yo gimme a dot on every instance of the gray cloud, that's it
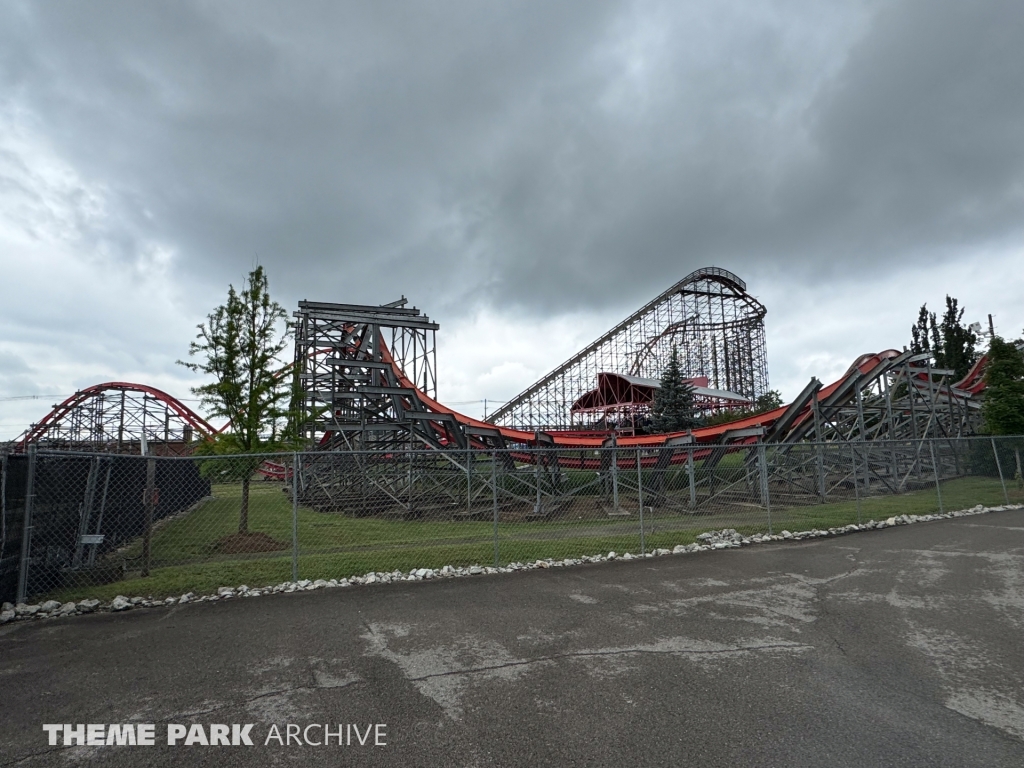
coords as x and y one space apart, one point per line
548 157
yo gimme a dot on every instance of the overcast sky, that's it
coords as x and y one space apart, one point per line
528 173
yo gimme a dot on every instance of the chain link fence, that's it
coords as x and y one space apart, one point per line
93 525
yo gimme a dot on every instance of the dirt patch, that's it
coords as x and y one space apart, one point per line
240 543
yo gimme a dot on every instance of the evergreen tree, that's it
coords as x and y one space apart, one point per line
1003 408
769 401
958 341
673 408
950 343
239 344
919 332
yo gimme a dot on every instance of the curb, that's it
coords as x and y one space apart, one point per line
727 538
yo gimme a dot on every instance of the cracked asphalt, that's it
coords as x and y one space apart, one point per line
902 647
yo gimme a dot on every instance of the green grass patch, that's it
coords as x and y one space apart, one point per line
185 557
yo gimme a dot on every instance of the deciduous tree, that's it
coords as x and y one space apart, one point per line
1003 408
238 346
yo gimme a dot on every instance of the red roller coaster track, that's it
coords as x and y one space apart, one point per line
64 410
971 385
864 365
795 414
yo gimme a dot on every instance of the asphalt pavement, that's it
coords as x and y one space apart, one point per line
901 647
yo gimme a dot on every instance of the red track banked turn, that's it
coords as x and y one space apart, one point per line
864 364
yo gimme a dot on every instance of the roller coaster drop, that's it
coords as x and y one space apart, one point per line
367 382
358 392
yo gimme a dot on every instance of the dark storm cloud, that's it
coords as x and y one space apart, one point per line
550 155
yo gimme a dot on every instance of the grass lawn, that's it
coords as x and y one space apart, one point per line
185 556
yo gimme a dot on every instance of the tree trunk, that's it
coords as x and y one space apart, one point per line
243 517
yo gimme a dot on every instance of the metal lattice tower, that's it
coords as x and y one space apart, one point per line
716 325
349 393
118 417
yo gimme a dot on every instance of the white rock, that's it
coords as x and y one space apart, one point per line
225 591
7 607
186 597
88 606
476 570
49 606
137 600
21 609
320 583
170 601
120 603
611 555
6 616
67 608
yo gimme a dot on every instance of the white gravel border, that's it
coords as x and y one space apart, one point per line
726 538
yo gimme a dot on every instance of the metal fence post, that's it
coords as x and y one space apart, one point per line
494 501
469 481
856 484
295 516
615 478
999 468
935 470
26 530
539 506
640 494
819 452
762 467
150 499
689 472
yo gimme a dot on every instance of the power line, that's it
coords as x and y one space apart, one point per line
29 397
47 397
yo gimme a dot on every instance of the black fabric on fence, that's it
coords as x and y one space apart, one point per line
81 494
13 480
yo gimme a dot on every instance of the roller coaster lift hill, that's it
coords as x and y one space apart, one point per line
368 381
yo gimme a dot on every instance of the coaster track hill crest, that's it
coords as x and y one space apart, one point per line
367 380
367 376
